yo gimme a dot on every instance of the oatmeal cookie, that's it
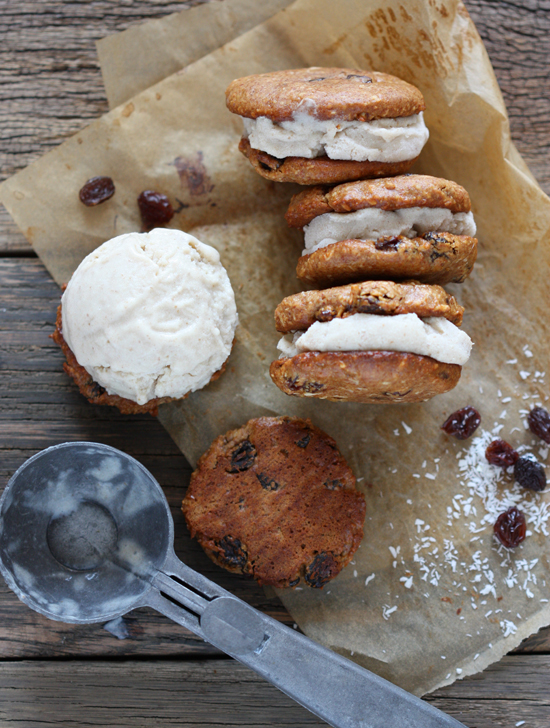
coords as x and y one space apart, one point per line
276 500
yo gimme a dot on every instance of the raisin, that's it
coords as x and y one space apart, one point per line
234 554
463 423
390 242
155 209
364 79
539 423
322 569
96 191
95 390
500 453
510 528
313 387
529 473
266 482
243 457
304 442
325 314
435 237
333 484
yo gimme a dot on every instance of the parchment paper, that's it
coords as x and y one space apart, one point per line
144 54
462 603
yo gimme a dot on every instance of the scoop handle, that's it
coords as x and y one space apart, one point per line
340 692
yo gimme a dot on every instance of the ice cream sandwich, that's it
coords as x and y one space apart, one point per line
406 227
327 125
373 342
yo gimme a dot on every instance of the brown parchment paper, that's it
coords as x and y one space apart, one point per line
143 55
475 602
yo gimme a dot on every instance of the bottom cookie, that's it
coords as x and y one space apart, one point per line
94 392
371 377
433 258
319 170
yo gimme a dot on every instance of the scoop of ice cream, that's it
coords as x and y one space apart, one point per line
150 314
372 223
379 140
434 336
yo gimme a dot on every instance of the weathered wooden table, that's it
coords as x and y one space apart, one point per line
56 674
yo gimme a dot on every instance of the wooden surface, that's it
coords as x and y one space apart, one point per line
51 673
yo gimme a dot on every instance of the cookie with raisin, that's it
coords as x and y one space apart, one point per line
371 342
326 125
276 500
409 226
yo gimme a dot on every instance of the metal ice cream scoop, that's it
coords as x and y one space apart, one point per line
86 536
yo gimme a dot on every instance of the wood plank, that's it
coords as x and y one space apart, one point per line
50 81
222 693
511 691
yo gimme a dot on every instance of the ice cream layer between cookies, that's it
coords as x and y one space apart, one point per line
373 223
435 337
379 140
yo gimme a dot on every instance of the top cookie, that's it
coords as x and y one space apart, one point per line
394 193
387 298
349 94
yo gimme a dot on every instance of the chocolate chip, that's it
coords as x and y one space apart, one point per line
243 457
333 484
323 567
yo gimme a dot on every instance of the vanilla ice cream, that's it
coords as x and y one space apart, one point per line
150 314
379 140
371 223
435 337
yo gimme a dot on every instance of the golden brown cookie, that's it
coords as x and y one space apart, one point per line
396 193
344 93
319 169
300 311
276 500
373 377
375 341
432 258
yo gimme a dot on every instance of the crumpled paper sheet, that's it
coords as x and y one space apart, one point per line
144 54
463 602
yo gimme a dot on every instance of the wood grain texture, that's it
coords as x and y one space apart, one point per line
224 694
50 86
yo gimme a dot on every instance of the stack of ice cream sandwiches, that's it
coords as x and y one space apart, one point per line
379 242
